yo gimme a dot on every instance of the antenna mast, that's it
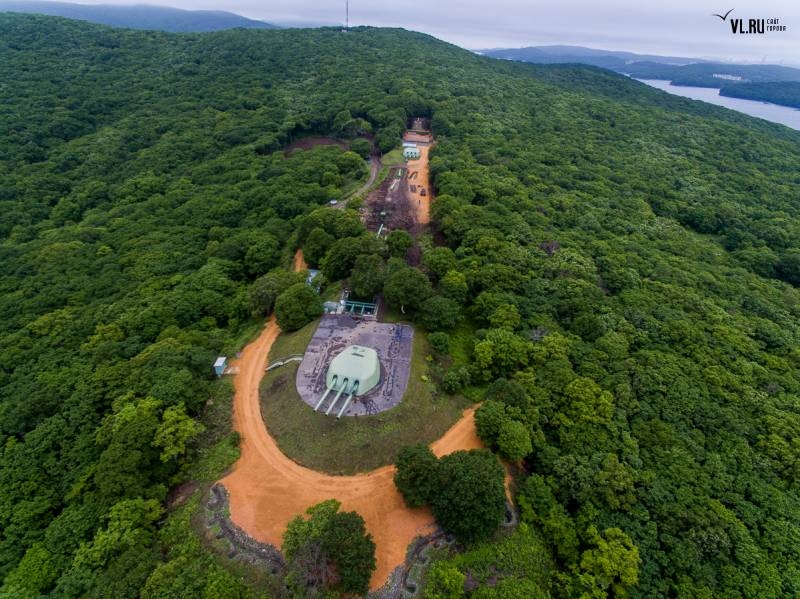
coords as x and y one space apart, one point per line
347 15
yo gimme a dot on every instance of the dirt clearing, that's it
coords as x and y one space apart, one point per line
306 143
419 192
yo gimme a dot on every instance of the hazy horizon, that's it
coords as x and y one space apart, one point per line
681 28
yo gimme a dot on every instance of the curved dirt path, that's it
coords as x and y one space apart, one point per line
374 168
267 489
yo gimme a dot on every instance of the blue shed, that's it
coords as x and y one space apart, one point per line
220 365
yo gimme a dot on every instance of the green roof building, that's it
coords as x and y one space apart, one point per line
411 153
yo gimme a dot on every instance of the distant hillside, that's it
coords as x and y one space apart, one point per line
734 79
786 93
161 18
712 74
608 59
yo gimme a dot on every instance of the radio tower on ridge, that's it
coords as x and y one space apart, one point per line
347 15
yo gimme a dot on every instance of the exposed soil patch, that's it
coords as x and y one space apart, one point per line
178 495
390 204
306 143
418 190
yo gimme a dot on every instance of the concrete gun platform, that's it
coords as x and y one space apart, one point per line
392 342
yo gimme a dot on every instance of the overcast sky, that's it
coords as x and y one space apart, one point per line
674 27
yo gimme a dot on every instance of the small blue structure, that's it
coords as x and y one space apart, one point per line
220 365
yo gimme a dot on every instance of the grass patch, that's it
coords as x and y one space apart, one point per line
288 344
247 333
217 448
462 340
393 157
355 444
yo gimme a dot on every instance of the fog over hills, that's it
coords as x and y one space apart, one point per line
141 16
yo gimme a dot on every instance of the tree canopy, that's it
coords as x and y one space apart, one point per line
297 306
464 489
627 261
329 551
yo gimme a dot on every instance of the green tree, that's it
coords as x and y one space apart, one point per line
512 392
130 524
129 460
439 261
612 566
339 261
361 146
500 353
585 403
296 307
469 500
444 582
262 254
489 420
175 431
407 287
513 440
511 588
265 290
454 286
438 313
366 279
506 316
174 579
456 379
330 550
346 539
316 246
34 576
399 242
415 476
538 505
440 343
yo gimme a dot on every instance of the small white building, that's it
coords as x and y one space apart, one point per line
411 153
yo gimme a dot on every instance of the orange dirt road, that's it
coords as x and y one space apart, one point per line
267 489
423 203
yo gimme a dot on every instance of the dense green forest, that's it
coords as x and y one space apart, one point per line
786 93
702 74
623 263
